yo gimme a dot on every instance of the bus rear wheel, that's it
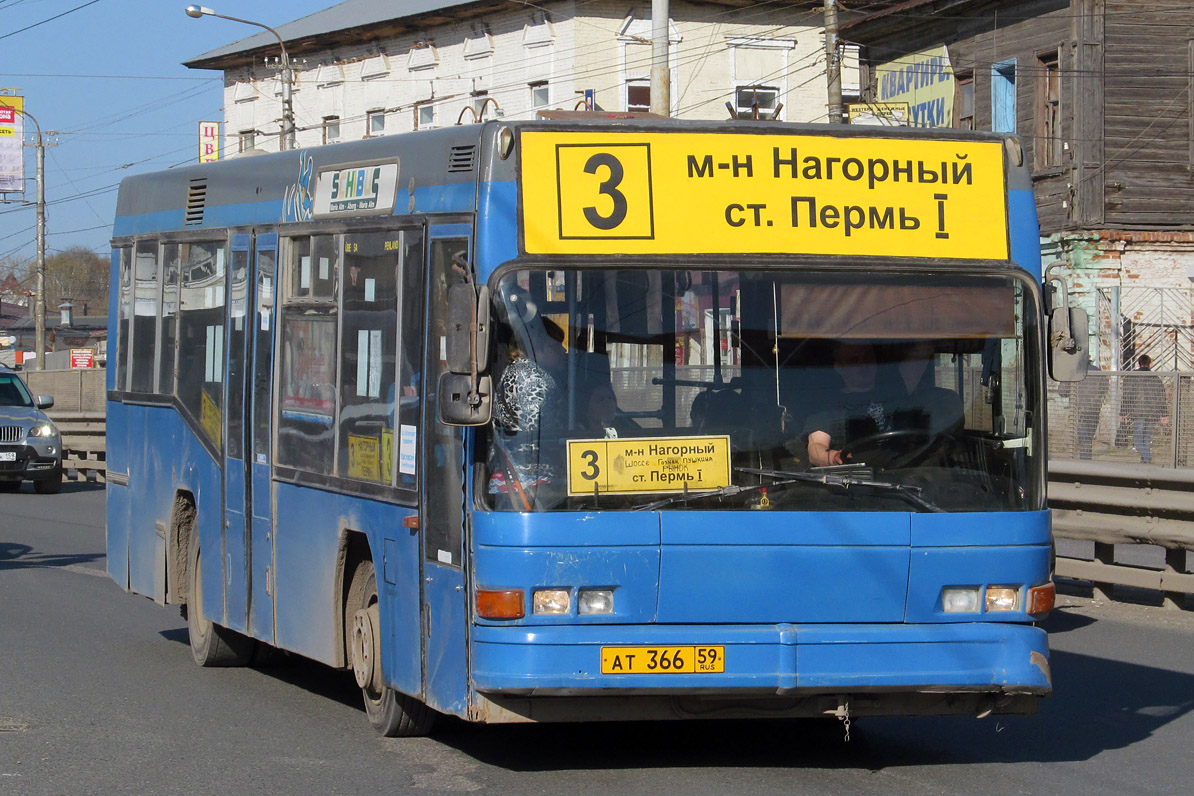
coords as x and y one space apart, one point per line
390 713
211 644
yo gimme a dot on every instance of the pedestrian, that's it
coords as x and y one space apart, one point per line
1088 396
1143 404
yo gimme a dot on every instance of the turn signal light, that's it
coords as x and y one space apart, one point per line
1041 599
500 604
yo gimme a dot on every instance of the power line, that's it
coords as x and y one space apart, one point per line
50 19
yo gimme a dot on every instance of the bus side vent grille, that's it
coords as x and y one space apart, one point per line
460 159
196 202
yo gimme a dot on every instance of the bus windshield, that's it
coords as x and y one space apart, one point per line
760 388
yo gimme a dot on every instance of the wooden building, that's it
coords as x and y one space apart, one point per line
1101 94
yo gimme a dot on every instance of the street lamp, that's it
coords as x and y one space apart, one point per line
288 141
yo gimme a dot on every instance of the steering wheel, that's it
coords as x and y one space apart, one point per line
888 448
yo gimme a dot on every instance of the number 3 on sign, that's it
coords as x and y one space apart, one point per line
605 191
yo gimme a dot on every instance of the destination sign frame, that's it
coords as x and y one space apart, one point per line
656 192
648 465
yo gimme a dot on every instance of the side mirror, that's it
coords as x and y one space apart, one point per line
468 329
1069 338
461 402
45 401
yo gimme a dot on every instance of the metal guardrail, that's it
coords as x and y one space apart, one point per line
1113 504
83 444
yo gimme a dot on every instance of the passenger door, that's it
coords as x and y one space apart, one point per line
235 530
259 495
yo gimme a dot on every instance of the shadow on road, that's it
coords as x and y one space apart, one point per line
22 556
1099 705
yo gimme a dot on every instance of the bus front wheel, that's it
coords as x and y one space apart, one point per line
211 644
392 714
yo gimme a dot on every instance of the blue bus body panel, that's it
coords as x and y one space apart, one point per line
497 238
595 550
117 494
770 566
1025 231
307 600
773 658
447 648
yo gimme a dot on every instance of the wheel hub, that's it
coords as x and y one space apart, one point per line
366 663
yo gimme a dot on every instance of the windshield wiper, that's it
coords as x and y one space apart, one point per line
909 494
725 491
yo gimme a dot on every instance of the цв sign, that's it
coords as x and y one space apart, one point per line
597 192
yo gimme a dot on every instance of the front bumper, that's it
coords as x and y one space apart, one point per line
777 660
31 460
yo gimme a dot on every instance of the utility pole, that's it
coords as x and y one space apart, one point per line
40 306
833 64
661 74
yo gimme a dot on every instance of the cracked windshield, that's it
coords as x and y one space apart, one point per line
763 389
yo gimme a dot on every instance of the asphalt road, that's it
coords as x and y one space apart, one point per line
98 695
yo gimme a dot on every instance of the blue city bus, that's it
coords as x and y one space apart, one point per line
588 418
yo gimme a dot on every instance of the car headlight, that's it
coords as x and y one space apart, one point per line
43 430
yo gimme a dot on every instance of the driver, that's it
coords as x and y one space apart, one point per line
863 407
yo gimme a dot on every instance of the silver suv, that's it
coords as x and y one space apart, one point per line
30 447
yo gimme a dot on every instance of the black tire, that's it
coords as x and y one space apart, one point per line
211 644
49 486
10 486
390 713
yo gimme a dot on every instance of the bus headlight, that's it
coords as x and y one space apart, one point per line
552 601
595 601
1002 598
960 601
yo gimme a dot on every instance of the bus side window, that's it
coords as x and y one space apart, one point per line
410 334
367 357
170 271
126 318
201 336
307 357
145 316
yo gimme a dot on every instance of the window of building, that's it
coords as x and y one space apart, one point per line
424 116
145 316
964 103
1048 144
1003 97
247 140
478 104
201 336
638 96
755 102
375 124
331 129
541 95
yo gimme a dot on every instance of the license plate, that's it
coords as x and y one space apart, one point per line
663 660
8 456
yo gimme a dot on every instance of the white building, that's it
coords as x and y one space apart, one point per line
372 67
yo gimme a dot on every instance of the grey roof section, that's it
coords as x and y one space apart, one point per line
343 16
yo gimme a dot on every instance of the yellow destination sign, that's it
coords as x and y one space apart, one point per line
597 192
647 464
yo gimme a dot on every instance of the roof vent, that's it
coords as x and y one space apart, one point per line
196 202
460 159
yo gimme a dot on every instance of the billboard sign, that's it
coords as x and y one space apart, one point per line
12 144
209 142
924 80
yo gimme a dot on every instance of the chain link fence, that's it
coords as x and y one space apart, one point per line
1124 416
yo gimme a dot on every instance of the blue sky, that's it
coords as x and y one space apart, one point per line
108 76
